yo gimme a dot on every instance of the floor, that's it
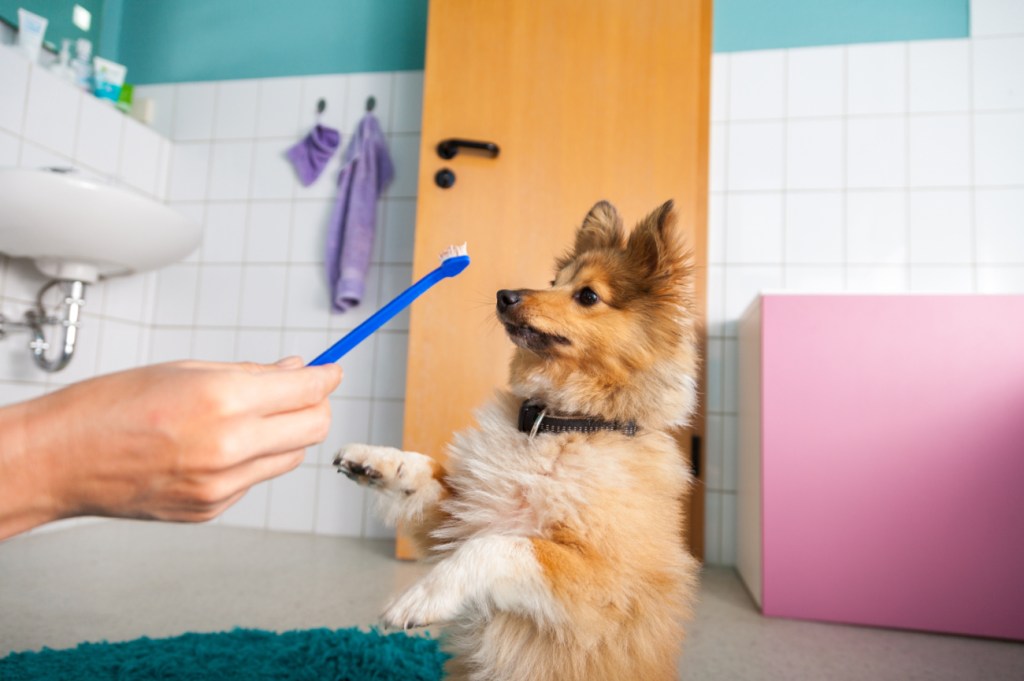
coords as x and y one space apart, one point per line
121 580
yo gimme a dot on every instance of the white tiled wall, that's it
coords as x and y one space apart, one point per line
256 288
888 167
47 122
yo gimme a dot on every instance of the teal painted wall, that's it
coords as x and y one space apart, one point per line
58 14
769 24
189 40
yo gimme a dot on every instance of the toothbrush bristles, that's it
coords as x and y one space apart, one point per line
453 251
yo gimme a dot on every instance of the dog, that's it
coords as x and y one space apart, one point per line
556 522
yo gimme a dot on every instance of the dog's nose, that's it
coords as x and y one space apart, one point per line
507 299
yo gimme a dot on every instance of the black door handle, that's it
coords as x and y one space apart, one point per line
449 148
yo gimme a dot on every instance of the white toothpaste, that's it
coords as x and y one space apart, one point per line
31 29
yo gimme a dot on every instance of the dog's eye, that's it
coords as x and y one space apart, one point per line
586 297
552 283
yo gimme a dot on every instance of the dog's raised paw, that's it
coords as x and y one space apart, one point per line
368 465
424 604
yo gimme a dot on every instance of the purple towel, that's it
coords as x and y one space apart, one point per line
366 172
311 154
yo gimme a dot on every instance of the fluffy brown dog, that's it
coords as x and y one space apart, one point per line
556 523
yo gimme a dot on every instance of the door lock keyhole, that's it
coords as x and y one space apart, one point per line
444 178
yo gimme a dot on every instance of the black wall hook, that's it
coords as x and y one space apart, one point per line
321 105
371 102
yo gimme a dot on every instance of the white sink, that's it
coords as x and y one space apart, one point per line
78 228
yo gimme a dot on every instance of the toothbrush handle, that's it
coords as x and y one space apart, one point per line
378 319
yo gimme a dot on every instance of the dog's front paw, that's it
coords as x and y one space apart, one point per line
370 466
424 604
385 468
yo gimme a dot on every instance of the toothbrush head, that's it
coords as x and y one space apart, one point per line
454 259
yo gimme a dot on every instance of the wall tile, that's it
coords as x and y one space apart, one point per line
814 155
263 295
753 231
250 510
998 76
269 231
815 278
193 111
399 229
393 280
333 89
163 97
361 86
272 174
14 74
816 81
307 300
713 452
940 227
388 423
261 346
293 501
219 295
757 85
231 169
876 152
170 345
140 157
51 114
309 230
720 86
358 367
742 284
405 154
124 297
876 78
339 506
1001 279
195 211
224 232
877 279
940 76
713 528
99 136
716 228
814 227
213 345
350 423
999 148
190 165
717 157
10 149
236 110
407 111
119 346
940 154
942 279
176 295
876 227
999 220
755 156
35 156
390 359
713 375
278 107
996 17
305 344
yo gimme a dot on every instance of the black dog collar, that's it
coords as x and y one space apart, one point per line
534 418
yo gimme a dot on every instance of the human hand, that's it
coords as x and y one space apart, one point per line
180 441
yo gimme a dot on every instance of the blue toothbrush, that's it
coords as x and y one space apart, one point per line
454 259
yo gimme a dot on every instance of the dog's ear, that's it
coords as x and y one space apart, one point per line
602 228
656 247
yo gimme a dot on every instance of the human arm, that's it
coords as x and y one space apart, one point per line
180 441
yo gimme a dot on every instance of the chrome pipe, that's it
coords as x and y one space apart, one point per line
68 321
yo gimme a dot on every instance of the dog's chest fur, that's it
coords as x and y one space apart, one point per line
507 483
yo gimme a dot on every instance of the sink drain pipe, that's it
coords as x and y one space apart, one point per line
67 321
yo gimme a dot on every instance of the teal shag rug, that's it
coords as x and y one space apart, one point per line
243 654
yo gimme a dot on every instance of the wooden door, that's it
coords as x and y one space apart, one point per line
587 100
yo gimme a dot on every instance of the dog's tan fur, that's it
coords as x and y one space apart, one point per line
560 557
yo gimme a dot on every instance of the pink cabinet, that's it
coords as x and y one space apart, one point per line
881 465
